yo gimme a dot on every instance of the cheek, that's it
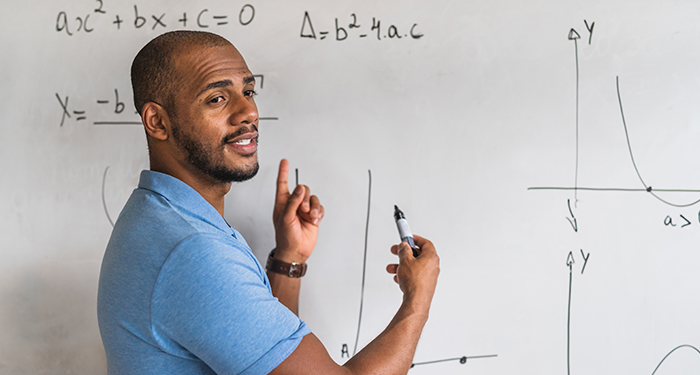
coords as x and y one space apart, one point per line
206 126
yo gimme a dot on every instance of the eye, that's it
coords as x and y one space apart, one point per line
250 93
217 100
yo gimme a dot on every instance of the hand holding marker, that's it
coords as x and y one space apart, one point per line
404 230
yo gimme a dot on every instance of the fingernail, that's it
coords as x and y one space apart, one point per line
298 190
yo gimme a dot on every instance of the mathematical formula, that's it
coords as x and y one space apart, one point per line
81 114
679 221
115 107
71 24
354 27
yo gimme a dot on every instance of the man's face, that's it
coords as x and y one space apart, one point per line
215 119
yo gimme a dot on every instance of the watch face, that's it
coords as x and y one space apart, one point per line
297 270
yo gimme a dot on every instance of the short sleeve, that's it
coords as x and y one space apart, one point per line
212 303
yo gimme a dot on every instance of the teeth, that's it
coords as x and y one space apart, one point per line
243 142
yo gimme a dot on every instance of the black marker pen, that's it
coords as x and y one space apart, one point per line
404 230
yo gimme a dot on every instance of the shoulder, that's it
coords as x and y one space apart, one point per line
213 252
211 267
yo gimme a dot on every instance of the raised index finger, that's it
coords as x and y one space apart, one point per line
282 181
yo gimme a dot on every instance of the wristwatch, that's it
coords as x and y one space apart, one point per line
289 269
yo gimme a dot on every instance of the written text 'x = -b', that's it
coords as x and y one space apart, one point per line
119 107
80 115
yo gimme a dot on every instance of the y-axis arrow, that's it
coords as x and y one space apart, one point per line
569 263
573 35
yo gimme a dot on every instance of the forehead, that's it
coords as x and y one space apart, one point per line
198 66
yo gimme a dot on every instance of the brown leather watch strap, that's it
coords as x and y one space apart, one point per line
287 269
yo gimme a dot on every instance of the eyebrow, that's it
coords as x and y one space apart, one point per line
225 83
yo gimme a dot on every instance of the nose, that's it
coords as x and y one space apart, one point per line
244 111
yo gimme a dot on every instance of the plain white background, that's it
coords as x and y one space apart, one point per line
454 126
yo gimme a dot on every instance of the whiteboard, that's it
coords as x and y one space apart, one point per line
496 128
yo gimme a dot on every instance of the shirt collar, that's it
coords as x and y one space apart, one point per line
184 197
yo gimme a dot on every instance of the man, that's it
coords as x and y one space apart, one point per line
180 291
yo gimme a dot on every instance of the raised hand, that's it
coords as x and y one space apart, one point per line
296 217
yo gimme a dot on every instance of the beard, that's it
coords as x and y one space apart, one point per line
210 161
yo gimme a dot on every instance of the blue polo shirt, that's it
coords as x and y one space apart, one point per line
180 292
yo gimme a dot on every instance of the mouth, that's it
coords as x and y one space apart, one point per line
245 144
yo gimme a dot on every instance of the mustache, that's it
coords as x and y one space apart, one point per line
240 131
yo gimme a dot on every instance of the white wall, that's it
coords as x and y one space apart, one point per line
454 126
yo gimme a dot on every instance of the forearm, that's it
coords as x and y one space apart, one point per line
286 289
393 350
284 270
391 353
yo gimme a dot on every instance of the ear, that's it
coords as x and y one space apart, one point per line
155 120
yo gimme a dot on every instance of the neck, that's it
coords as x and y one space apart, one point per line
213 191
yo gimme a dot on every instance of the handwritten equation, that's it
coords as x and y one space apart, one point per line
115 107
71 24
679 221
356 28
77 115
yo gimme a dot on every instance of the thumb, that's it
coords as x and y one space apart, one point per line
294 202
404 252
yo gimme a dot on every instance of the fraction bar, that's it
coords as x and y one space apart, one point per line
117 123
139 122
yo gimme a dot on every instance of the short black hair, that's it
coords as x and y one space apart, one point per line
153 76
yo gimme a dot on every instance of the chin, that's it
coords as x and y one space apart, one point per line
243 173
